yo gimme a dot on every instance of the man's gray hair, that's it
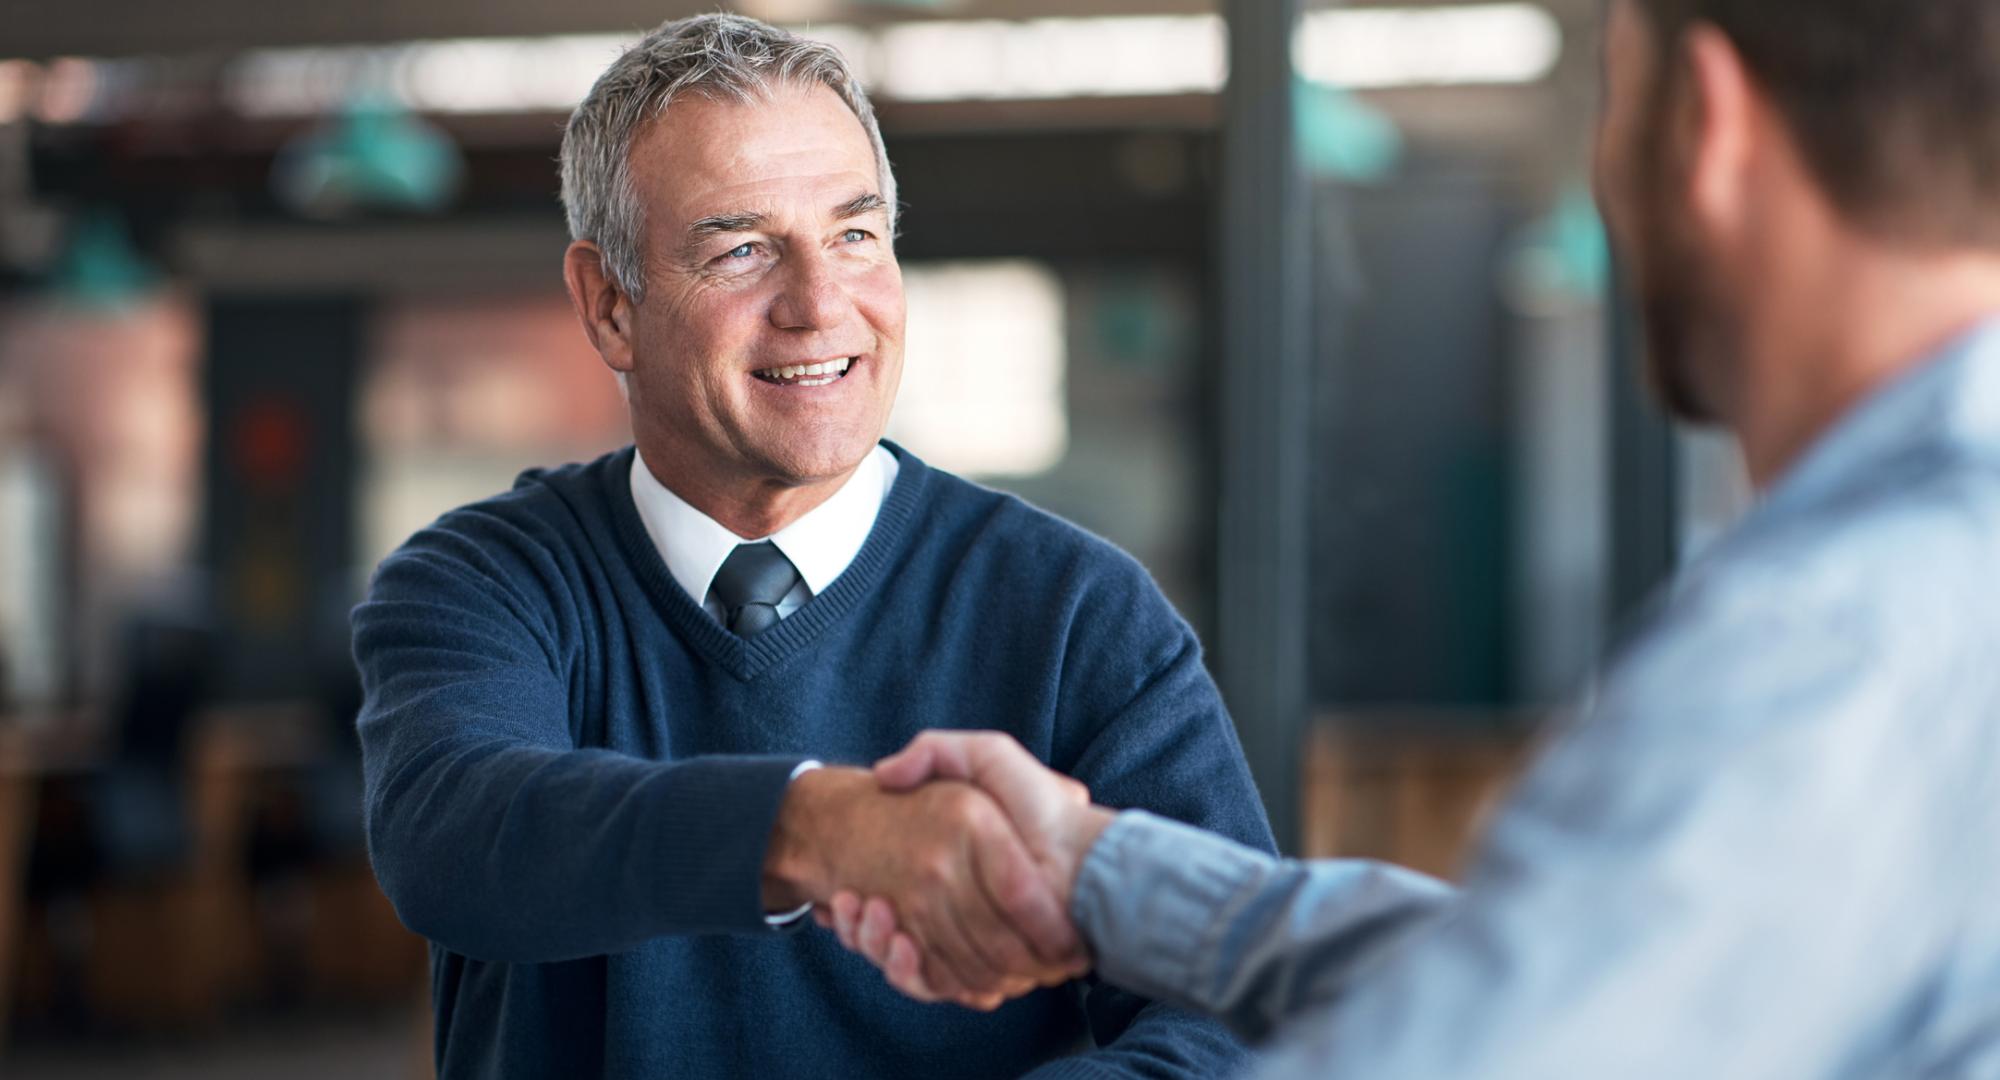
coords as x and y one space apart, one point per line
718 57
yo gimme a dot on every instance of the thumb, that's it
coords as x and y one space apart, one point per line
932 755
906 768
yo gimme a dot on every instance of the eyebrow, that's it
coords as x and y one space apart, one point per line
866 203
702 229
715 224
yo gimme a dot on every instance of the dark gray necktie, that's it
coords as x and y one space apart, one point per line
751 582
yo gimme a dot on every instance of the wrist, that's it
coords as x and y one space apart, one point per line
1080 831
797 859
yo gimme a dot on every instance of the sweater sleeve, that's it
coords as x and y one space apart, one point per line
1143 727
491 831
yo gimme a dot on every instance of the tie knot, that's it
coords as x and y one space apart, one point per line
753 579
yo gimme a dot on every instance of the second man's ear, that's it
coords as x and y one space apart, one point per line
1717 127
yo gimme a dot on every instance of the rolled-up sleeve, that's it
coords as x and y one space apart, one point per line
1184 916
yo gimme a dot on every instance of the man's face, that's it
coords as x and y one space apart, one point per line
1641 188
767 250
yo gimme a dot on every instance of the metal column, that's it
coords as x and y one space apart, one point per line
1262 539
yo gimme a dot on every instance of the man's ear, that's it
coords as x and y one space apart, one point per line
1717 125
602 307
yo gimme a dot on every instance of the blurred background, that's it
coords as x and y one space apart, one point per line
1304 304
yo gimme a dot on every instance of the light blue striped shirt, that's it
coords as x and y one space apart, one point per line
1769 849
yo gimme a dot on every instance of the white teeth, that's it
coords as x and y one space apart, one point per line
810 374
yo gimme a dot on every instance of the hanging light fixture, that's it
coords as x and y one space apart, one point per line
1342 137
375 156
99 267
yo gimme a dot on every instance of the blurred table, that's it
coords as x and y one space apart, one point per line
1407 787
172 952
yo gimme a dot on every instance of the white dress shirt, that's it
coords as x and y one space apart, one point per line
820 545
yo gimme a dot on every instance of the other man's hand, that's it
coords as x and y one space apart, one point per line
947 864
1052 813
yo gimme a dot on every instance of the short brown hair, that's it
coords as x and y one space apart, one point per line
1895 103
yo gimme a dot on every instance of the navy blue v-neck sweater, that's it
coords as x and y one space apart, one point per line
572 773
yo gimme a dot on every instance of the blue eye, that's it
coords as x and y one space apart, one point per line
854 236
741 251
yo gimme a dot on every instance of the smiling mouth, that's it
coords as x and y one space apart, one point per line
820 374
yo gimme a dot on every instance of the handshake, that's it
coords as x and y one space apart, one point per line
949 866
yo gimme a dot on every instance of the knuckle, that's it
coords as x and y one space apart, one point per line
937 868
971 812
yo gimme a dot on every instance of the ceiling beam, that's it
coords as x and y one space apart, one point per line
39 29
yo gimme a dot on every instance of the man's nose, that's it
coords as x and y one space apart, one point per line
812 296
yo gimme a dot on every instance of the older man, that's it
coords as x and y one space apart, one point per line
1768 849
597 703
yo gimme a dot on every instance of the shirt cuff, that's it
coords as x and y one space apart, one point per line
787 919
1150 898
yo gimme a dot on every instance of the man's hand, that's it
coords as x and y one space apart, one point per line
948 867
1052 813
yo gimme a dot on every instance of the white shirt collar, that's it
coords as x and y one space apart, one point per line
821 544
